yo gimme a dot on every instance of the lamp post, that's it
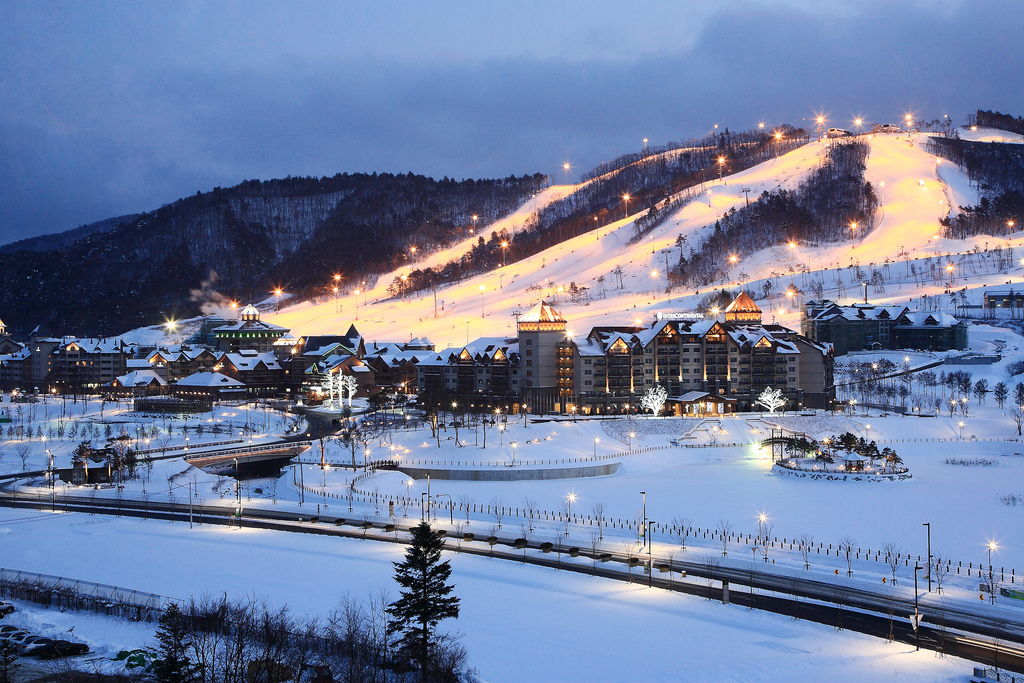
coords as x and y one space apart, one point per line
760 528
504 251
631 435
482 289
596 441
961 423
357 304
467 331
451 507
625 205
991 584
571 498
514 445
408 494
929 575
643 526
565 167
917 618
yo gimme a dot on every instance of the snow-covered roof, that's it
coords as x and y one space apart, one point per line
140 378
929 319
542 313
209 379
246 360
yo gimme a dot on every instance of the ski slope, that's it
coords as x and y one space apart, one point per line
915 188
915 192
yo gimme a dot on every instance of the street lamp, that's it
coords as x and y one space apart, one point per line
515 445
991 584
721 165
473 229
654 283
625 205
572 499
357 304
961 423
277 296
566 166
408 494
929 525
631 435
761 518
596 440
916 618
504 251
482 289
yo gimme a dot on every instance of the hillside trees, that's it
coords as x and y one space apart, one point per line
821 209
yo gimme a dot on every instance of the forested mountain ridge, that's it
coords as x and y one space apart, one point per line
242 242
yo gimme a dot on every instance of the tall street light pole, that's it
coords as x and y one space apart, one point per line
917 618
929 525
644 494
482 289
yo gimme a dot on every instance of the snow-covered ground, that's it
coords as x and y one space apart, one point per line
518 622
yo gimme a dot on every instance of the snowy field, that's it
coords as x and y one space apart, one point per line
519 622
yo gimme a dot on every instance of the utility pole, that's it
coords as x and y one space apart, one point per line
929 525
917 616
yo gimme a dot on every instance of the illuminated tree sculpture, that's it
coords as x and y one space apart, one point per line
772 399
654 399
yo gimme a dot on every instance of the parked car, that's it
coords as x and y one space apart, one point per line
37 645
5 608
9 628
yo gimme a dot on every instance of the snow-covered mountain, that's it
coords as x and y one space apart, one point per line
627 280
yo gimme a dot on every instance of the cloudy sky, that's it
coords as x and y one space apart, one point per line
116 107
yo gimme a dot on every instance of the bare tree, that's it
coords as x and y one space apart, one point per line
711 568
498 509
1018 418
595 541
23 450
530 508
564 508
467 501
805 543
940 568
598 511
892 553
766 536
751 572
681 531
724 531
847 546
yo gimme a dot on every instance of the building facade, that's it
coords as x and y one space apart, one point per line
865 326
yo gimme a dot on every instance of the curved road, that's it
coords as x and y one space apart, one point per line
985 639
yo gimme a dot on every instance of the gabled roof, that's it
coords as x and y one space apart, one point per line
140 378
209 379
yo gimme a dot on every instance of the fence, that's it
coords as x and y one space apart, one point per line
65 593
681 534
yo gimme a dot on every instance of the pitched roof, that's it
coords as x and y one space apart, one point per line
209 379
742 304
542 313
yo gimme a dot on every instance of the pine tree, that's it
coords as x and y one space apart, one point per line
173 664
8 662
426 597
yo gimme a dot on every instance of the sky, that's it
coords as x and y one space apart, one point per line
110 108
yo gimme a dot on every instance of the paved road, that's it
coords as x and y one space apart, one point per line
983 639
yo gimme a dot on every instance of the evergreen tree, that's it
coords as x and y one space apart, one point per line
426 597
8 662
173 665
